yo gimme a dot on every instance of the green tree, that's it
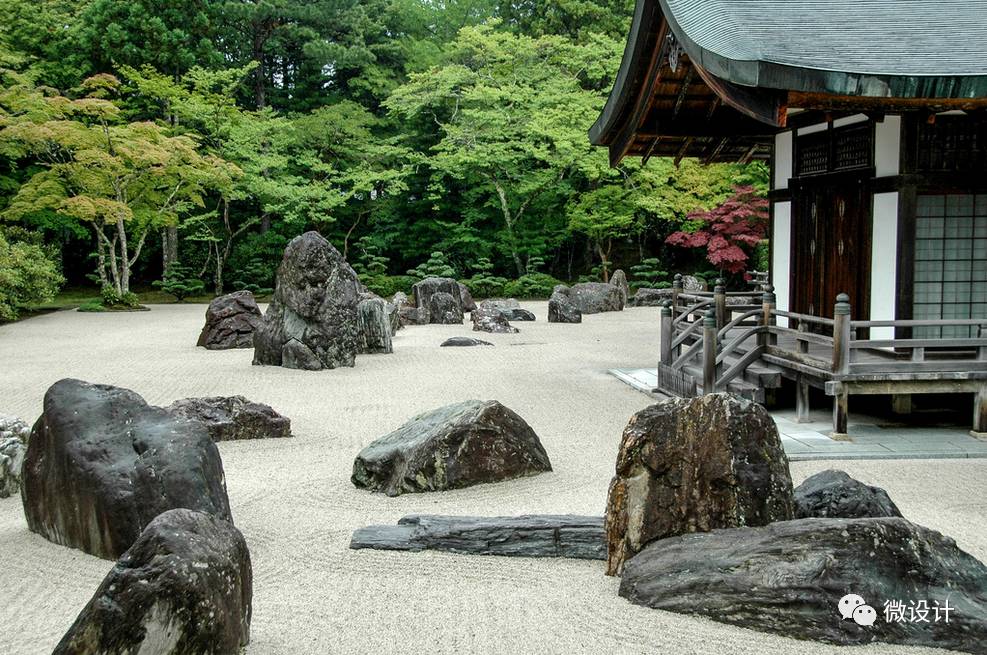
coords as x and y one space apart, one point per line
27 275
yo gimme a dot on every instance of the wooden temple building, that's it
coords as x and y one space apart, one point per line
873 116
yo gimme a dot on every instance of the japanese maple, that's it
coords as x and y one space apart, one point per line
742 220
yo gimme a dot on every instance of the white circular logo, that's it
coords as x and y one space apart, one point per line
849 603
864 615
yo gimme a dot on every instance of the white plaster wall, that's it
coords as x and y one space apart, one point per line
811 129
781 243
850 120
884 263
887 146
782 160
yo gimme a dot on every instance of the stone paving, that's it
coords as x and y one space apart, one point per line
871 437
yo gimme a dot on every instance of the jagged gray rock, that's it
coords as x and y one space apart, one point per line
561 309
230 418
230 322
311 322
443 308
374 325
459 445
185 587
490 319
101 464
693 465
14 435
788 578
834 494
540 535
619 280
596 297
647 297
464 342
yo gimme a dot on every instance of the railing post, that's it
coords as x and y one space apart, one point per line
709 352
676 290
841 365
982 351
767 315
665 344
720 302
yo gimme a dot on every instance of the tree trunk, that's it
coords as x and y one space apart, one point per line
509 224
260 73
101 261
169 246
124 259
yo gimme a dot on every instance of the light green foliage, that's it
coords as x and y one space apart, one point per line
484 284
436 266
532 285
180 281
762 256
27 275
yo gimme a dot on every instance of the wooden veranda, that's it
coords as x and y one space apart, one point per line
739 342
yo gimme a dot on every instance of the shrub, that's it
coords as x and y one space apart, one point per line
436 266
386 286
762 256
27 275
532 285
484 284
180 281
255 277
111 301
648 273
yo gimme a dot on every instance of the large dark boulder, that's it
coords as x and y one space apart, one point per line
437 311
230 418
647 297
459 445
693 465
183 588
443 308
789 578
230 322
561 309
311 322
538 535
374 324
14 435
102 463
834 494
596 297
490 319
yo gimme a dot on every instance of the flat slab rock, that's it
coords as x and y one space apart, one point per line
459 445
184 587
540 535
464 342
101 464
789 577
230 418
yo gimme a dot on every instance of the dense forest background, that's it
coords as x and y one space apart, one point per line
192 139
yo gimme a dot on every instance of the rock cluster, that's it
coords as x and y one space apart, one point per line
459 445
579 537
487 318
448 308
230 322
101 464
229 418
693 465
311 322
185 586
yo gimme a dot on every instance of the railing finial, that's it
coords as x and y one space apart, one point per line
842 307
768 294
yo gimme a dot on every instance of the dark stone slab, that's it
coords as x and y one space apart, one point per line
464 342
184 587
102 463
230 418
230 322
311 322
693 465
540 535
834 494
518 314
789 578
455 446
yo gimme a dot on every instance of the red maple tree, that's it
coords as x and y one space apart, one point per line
742 220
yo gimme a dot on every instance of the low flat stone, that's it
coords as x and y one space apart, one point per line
539 535
789 577
230 418
518 314
464 342
647 297
834 494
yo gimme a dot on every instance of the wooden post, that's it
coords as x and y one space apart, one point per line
767 315
709 352
665 344
720 302
676 290
901 404
841 365
801 400
980 414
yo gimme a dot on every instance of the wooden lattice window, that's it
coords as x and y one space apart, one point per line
952 144
833 150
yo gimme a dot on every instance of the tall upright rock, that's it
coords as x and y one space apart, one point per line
312 321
